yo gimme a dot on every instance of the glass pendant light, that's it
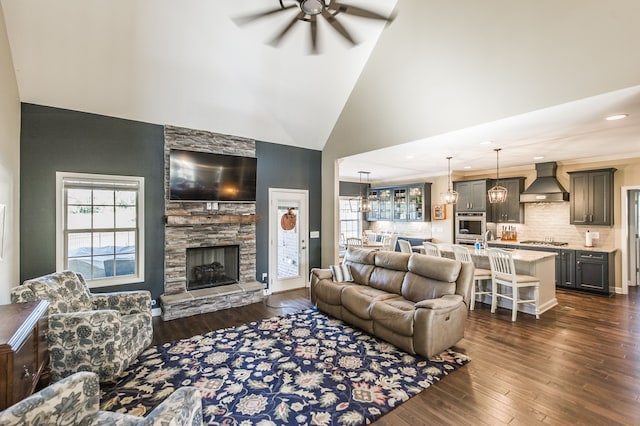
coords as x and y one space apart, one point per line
497 194
451 196
360 203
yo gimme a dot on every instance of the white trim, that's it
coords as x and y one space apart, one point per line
140 247
624 237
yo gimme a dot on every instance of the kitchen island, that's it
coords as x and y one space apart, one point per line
535 263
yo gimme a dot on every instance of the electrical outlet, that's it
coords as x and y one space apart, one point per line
264 277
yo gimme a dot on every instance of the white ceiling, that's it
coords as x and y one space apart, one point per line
187 63
564 133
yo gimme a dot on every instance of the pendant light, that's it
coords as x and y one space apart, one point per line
497 194
360 203
451 196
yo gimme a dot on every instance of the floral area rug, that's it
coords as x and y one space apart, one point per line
300 369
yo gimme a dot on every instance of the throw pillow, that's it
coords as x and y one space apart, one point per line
341 273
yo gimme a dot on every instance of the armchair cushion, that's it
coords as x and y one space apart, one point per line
64 291
75 400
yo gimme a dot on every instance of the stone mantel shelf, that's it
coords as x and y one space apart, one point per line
209 219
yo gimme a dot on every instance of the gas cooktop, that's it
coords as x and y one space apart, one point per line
545 243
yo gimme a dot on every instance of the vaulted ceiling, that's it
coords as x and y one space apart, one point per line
534 76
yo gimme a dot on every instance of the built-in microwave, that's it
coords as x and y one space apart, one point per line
470 226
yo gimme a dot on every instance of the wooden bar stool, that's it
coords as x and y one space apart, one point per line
503 275
481 277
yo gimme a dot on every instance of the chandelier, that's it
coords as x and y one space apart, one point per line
451 196
497 194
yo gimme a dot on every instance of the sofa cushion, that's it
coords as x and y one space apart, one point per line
395 313
358 299
387 280
437 268
361 263
329 291
416 287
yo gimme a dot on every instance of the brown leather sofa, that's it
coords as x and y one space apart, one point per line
413 301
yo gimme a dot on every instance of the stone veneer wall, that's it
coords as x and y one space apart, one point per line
196 231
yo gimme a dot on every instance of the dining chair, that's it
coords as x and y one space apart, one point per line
405 246
504 276
389 242
481 277
431 249
354 242
371 236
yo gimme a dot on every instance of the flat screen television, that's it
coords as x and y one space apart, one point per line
204 176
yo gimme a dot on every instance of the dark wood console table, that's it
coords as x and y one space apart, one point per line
23 349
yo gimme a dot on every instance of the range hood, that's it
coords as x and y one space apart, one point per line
545 188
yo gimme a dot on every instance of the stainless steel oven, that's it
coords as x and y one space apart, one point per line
470 226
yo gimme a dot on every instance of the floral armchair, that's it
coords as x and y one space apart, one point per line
101 333
75 400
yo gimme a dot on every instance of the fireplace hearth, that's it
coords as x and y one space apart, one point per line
212 266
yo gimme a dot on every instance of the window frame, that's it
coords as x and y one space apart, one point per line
343 206
110 181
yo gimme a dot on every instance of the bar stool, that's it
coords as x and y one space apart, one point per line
431 249
480 276
503 274
405 246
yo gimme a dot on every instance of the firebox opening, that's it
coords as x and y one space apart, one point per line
212 266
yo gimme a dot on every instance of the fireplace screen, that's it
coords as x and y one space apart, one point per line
212 266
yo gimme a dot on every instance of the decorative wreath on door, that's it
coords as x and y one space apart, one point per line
288 220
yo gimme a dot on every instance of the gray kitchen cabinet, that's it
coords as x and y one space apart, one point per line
407 203
512 210
594 271
472 195
592 197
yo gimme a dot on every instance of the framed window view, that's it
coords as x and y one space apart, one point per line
439 211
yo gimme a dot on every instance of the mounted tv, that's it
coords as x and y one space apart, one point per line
203 176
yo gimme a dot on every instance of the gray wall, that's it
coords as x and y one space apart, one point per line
54 139
282 166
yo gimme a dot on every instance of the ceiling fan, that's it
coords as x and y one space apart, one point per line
309 11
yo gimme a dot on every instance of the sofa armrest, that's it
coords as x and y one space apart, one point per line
79 394
447 301
85 341
321 274
126 302
182 407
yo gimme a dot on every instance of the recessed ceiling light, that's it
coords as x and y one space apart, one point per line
410 156
466 167
617 117
486 142
539 157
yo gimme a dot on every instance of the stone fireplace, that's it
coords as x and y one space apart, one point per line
190 227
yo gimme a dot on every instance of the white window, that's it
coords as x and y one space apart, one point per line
100 227
350 222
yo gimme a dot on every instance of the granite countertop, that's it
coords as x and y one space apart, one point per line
569 247
521 255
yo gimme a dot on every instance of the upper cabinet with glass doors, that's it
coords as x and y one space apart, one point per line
401 203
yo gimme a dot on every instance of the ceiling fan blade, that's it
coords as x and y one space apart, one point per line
242 20
278 38
331 19
357 11
314 34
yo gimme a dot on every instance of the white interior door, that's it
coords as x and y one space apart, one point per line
288 239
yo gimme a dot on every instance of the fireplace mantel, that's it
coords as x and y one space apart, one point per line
209 219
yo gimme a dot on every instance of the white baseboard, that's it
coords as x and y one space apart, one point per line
156 312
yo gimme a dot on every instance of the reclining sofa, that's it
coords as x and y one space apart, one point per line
413 301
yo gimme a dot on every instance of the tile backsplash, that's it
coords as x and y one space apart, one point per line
544 220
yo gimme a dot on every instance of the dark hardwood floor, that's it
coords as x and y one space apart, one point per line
578 364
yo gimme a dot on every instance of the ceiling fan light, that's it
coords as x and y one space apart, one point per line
312 7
